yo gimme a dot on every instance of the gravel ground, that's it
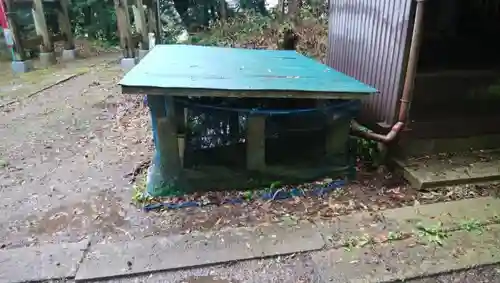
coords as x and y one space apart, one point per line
487 274
65 153
288 270
299 269
63 157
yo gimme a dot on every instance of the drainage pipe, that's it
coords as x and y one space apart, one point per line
406 97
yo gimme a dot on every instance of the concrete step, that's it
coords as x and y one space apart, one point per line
402 243
451 169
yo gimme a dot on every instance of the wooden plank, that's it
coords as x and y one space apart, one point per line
65 25
19 52
181 122
241 94
168 143
256 143
41 27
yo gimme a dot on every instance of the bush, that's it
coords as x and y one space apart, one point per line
252 30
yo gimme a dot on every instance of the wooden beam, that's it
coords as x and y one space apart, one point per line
181 114
256 143
65 25
19 52
168 143
41 27
241 93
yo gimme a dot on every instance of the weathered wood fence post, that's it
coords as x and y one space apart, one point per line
20 64
47 56
141 27
69 52
124 30
145 15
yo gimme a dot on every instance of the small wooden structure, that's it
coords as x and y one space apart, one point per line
145 19
44 40
455 89
172 72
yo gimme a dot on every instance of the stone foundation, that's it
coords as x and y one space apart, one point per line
22 66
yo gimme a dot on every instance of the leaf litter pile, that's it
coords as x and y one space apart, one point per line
371 191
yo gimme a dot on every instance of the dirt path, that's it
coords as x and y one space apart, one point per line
63 164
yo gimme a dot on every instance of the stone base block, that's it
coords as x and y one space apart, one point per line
47 59
68 55
128 63
22 66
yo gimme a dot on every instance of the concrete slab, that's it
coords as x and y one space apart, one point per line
47 59
22 66
68 55
170 253
402 222
409 259
47 262
128 63
440 170
273 270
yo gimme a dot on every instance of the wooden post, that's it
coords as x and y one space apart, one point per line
256 142
123 22
181 122
19 53
293 9
223 10
65 25
170 163
337 136
41 27
152 18
167 170
140 23
281 9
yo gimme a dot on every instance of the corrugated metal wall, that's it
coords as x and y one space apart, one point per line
367 40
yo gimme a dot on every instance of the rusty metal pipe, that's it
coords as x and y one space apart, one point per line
406 96
363 132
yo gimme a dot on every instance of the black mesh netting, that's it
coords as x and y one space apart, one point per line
215 131
214 134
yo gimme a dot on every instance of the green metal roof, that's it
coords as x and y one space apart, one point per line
172 67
